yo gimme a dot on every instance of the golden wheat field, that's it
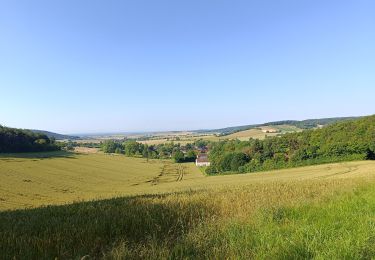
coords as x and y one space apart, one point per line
46 179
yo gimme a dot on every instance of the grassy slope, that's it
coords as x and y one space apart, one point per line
37 181
324 211
257 133
326 218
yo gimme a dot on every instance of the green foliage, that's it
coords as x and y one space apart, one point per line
201 143
132 148
110 146
178 156
190 155
69 146
348 140
13 140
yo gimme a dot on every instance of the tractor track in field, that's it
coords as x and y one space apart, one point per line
167 172
181 172
349 169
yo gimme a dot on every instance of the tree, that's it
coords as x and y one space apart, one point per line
13 140
132 148
178 156
110 146
190 156
238 160
348 140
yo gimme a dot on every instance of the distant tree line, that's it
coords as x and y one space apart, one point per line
348 140
13 140
179 153
70 145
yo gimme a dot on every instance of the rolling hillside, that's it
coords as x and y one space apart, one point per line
303 124
242 133
57 178
56 135
100 206
246 216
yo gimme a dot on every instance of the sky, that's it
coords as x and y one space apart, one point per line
88 66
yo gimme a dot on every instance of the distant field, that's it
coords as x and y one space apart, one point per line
184 138
247 134
287 128
256 133
44 179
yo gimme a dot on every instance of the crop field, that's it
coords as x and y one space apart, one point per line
59 178
174 211
245 135
257 133
184 138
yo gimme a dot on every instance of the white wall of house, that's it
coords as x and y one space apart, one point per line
202 164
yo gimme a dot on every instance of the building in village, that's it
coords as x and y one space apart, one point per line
202 160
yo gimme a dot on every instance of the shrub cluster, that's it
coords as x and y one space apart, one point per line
132 148
349 140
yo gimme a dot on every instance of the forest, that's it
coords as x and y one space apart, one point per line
343 141
13 140
179 153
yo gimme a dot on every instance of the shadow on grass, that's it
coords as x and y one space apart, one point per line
91 228
38 155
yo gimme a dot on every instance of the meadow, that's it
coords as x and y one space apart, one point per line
324 211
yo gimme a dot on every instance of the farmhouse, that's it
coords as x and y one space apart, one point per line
202 160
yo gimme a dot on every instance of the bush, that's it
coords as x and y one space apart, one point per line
349 140
179 157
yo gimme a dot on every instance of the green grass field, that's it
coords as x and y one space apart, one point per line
323 212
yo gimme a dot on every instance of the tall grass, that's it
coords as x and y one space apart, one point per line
279 220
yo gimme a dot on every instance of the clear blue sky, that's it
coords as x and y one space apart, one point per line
76 66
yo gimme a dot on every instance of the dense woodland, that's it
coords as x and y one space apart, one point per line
13 140
349 140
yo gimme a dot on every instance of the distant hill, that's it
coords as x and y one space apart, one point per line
55 135
303 124
14 140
